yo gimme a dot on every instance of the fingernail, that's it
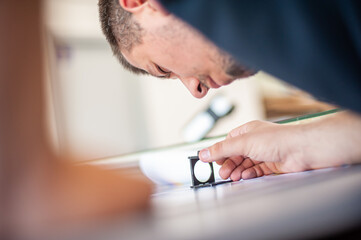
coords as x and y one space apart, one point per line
205 155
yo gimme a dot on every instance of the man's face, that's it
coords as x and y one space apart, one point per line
172 49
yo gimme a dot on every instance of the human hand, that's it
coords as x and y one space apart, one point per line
255 149
261 148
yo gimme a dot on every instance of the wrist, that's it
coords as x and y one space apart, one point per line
332 141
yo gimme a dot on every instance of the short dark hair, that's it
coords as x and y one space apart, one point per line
120 30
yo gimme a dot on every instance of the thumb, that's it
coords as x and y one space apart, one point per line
227 148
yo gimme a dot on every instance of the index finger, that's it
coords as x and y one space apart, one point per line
227 148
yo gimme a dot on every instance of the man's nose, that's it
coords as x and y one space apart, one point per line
194 86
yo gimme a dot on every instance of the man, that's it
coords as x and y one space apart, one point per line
147 39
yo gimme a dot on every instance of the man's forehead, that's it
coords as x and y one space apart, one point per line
139 60
132 58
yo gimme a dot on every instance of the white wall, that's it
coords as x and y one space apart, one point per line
100 107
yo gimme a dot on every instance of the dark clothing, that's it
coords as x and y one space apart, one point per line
312 44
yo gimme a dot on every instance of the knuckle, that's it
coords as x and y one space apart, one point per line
230 134
251 125
220 162
236 132
254 123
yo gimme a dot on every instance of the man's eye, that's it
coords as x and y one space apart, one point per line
163 70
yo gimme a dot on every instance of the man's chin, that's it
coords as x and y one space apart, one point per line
230 79
245 74
250 73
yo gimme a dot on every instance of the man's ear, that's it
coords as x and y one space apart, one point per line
132 5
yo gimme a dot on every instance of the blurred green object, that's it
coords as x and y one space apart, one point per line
309 116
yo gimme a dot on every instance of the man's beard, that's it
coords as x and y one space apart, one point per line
233 68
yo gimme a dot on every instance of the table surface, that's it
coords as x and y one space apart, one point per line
303 205
308 204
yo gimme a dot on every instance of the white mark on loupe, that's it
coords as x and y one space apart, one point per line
202 171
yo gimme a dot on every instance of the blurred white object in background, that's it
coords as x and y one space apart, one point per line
172 167
204 121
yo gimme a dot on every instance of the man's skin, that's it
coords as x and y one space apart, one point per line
173 49
40 191
167 44
261 148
